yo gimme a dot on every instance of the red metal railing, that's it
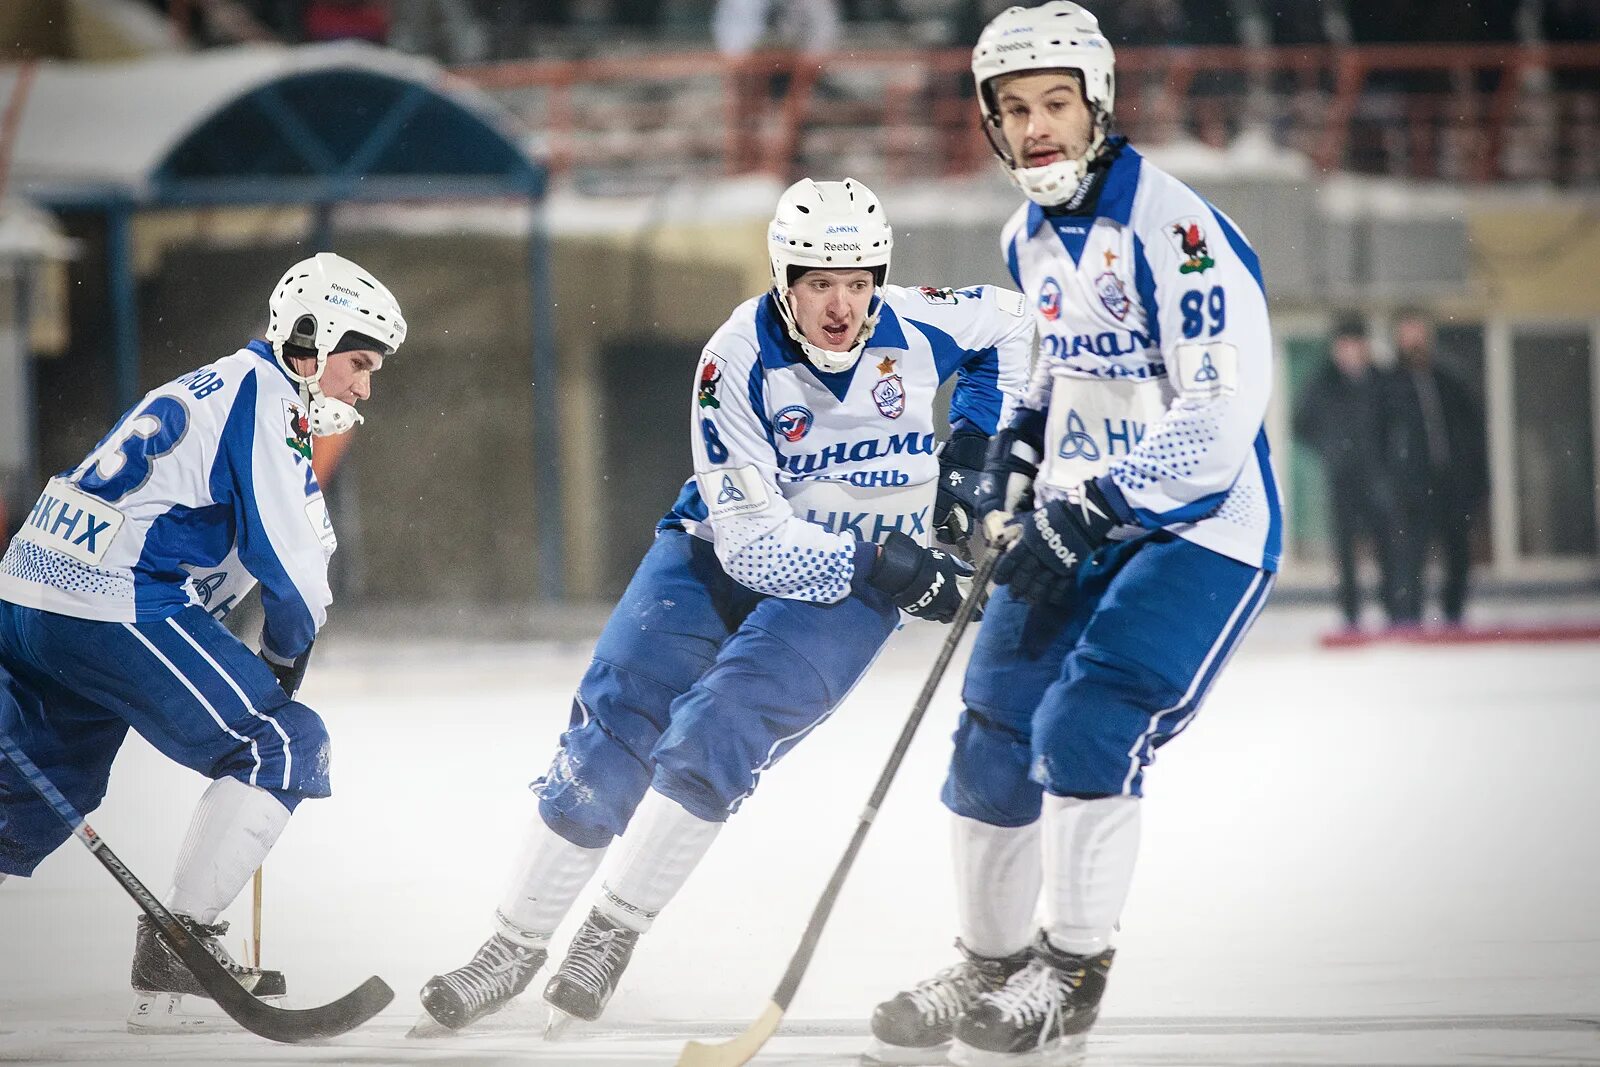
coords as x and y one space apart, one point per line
1456 112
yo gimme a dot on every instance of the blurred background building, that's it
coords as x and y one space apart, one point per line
568 196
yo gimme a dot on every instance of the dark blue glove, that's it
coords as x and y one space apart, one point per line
924 582
961 461
1011 465
1052 542
290 673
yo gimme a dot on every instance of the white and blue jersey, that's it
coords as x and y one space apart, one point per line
1155 360
202 489
795 467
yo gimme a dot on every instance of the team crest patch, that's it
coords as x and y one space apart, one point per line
1109 288
937 295
1050 299
793 422
890 396
710 379
299 428
1189 237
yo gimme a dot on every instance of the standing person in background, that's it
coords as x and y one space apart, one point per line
1135 491
1440 467
1340 416
810 26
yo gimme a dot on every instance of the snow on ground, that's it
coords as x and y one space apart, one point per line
1384 856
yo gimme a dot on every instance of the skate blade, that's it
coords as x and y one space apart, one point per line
880 1054
1067 1052
163 1013
556 1024
427 1028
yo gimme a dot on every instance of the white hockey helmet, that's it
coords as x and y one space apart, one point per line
315 304
822 226
1058 35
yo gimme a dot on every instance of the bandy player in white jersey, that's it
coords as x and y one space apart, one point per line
1134 490
112 591
773 582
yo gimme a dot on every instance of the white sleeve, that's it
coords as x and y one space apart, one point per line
1210 307
983 335
761 542
284 536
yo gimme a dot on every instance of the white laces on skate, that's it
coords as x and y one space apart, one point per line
948 993
492 974
593 956
1033 995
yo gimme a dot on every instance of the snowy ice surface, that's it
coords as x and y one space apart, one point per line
1382 856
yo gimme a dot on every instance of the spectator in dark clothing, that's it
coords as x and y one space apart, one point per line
1340 416
1439 462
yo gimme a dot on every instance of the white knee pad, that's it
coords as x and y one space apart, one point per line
549 874
997 884
1089 851
233 828
662 846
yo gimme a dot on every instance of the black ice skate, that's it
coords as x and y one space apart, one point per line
914 1026
497 972
160 980
588 976
1039 1018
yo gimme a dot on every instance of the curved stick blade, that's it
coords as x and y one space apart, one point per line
736 1051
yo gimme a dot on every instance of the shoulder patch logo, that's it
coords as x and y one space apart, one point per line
937 294
1189 237
710 379
299 429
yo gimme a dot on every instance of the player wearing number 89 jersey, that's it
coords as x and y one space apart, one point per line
1136 494
112 590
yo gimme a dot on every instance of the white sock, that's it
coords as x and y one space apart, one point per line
550 873
661 848
997 884
1089 851
234 827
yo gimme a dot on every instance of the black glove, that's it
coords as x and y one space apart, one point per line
1011 465
290 673
1052 542
924 582
961 461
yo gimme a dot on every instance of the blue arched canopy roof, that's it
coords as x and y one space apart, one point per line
343 134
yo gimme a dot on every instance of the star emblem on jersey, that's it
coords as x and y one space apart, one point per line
299 424
1108 287
730 492
1111 257
710 378
1189 237
890 396
887 366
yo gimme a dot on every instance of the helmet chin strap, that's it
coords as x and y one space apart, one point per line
327 416
825 359
1061 183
